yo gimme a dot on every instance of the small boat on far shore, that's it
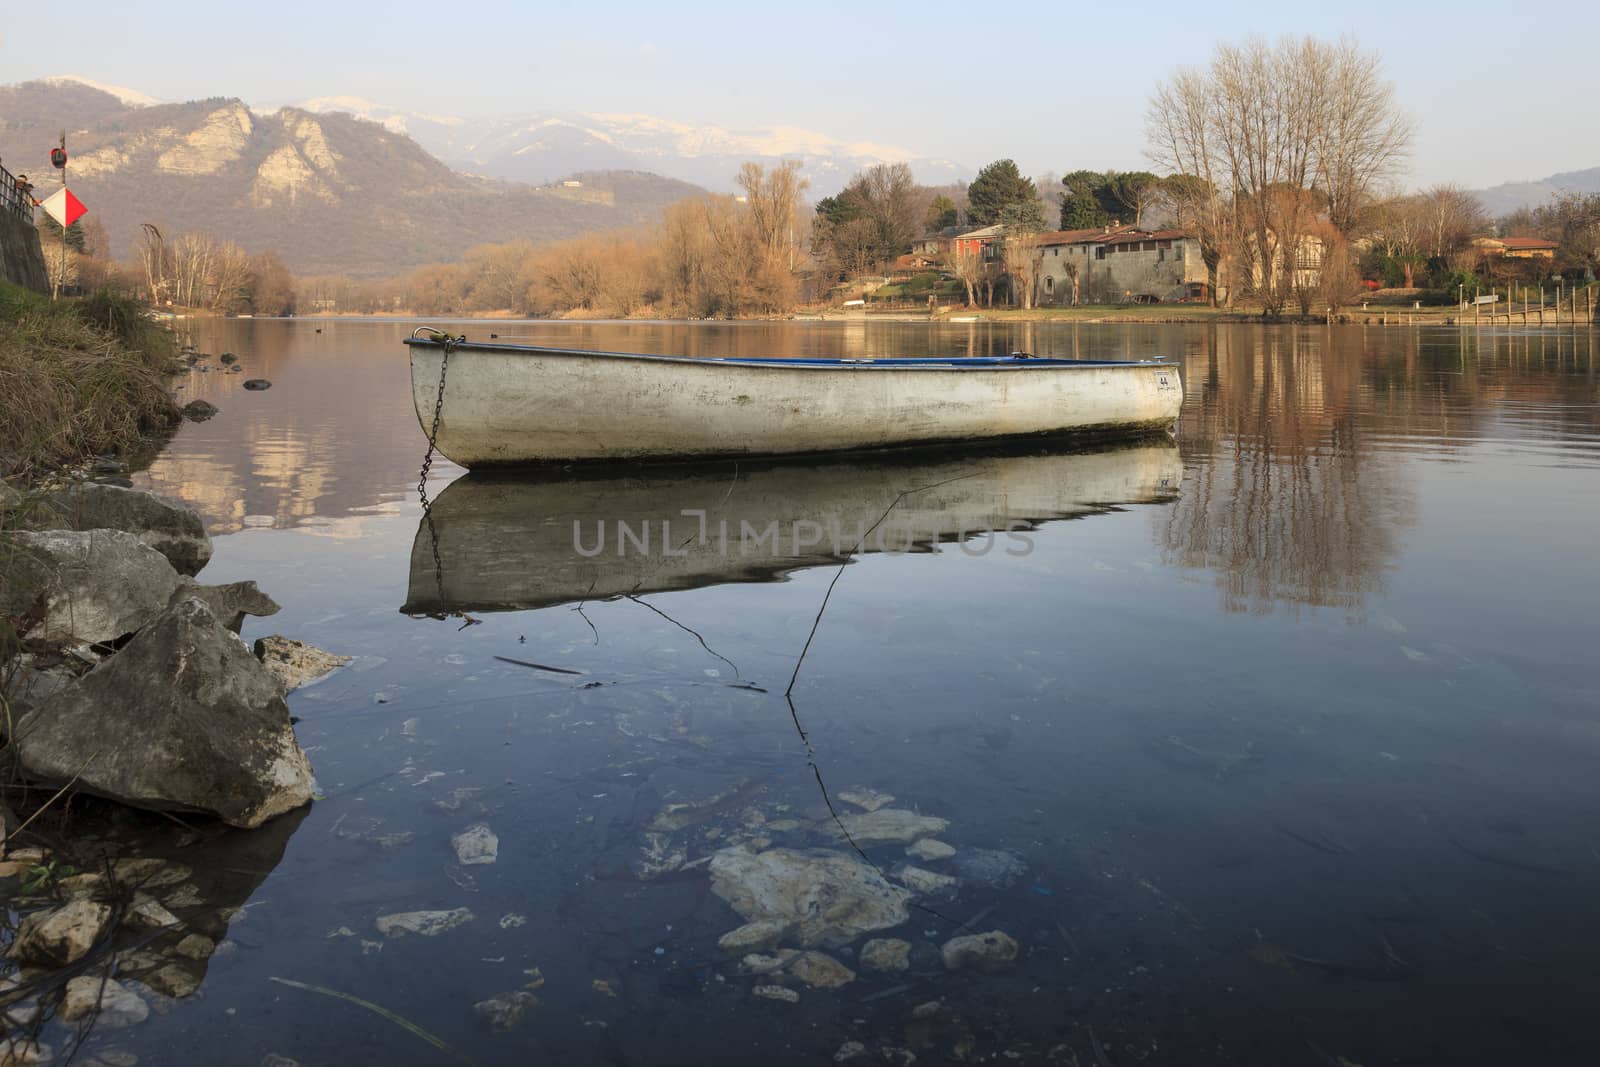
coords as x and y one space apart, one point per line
505 405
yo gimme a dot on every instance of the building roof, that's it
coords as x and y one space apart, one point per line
1528 243
1520 244
1106 235
977 235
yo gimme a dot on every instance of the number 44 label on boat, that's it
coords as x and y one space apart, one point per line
1164 381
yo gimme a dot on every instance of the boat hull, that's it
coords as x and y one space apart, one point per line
506 405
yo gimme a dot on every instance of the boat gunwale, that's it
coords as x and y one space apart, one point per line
927 363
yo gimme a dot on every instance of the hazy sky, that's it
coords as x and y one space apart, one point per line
1499 91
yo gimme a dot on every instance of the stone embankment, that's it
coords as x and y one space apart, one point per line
129 679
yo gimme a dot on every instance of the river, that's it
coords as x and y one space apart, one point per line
1271 744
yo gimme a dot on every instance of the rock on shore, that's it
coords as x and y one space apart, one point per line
168 526
295 663
183 717
94 585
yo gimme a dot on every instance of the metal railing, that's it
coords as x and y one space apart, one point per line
13 201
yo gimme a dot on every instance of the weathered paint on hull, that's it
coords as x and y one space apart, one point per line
504 407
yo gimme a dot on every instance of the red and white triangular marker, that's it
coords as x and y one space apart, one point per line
64 207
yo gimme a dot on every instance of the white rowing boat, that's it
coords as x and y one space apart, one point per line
502 404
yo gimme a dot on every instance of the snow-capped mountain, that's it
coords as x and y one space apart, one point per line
542 147
130 97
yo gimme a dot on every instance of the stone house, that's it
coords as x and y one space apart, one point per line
1119 264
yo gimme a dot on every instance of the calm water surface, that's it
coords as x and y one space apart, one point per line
1271 745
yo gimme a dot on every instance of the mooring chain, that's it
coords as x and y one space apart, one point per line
449 345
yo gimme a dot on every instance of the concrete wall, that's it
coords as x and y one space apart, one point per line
21 258
1163 274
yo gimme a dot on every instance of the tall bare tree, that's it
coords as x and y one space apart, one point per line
1279 134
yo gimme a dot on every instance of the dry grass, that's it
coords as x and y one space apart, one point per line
80 378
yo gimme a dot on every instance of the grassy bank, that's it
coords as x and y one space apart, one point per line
80 378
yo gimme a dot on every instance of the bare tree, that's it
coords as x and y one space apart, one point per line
1179 125
966 262
1397 228
1276 135
1451 217
153 261
1361 135
773 198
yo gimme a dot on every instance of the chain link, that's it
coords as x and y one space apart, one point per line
449 344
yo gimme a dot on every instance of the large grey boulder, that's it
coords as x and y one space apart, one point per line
94 585
166 525
183 717
230 603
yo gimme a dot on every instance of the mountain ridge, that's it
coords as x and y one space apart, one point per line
331 193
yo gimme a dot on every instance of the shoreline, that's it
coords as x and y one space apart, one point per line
1090 315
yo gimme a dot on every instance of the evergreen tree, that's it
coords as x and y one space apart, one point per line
997 186
50 233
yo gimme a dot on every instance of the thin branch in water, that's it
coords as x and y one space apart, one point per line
693 633
815 623
400 1021
579 609
794 713
537 666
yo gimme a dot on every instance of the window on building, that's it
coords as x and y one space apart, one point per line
1100 253
1161 254
1049 284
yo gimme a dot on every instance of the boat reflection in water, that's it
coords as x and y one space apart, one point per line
518 540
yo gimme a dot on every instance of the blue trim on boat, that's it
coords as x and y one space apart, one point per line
1011 362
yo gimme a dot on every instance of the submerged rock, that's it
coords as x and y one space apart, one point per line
867 799
111 1003
93 585
256 384
818 970
507 1010
476 844
60 936
984 952
173 980
830 897
148 912
886 954
199 410
21 1050
296 663
922 881
423 923
181 718
890 826
929 850
230 603
762 934
995 868
776 992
